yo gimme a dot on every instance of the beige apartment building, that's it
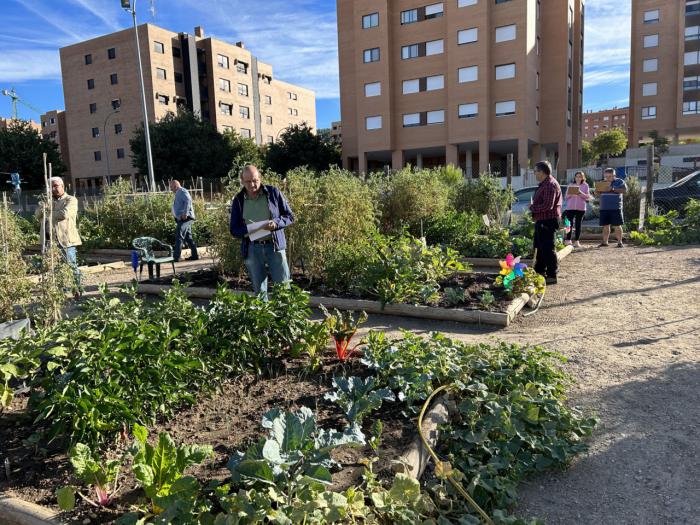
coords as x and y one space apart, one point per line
221 82
53 127
595 122
462 82
337 132
6 123
665 69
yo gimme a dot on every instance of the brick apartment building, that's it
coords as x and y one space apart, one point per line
6 123
223 83
595 122
53 127
665 69
462 82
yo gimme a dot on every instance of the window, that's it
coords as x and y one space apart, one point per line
242 67
692 32
409 17
691 58
176 52
690 108
52 135
467 36
120 153
537 81
95 132
435 82
222 61
373 89
409 51
651 40
245 133
468 74
411 86
116 103
692 7
411 120
266 79
465 3
91 83
160 73
502 1
243 90
537 115
369 21
294 112
505 108
433 11
436 117
292 96
112 53
158 47
178 77
88 59
224 85
93 107
113 79
371 55
225 109
372 123
648 112
97 155
651 64
244 112
468 110
691 83
537 46
434 47
118 129
651 17
649 89
505 71
268 100
163 99
268 120
505 33
270 139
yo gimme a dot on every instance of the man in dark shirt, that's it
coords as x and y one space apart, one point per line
546 212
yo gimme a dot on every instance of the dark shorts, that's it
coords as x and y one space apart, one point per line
611 218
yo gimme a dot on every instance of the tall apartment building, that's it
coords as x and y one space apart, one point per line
462 82
53 127
337 132
6 123
221 82
665 69
595 122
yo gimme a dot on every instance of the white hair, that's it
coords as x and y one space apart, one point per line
56 179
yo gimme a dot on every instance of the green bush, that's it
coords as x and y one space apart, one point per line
14 289
483 196
632 200
452 227
671 228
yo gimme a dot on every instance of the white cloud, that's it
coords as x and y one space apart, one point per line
607 43
23 65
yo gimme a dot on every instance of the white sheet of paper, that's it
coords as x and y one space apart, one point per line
255 230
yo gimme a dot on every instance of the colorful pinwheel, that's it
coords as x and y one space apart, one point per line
567 225
510 269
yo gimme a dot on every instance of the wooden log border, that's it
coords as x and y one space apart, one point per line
14 511
484 262
375 307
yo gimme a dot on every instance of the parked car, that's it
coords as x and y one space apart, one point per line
677 195
523 197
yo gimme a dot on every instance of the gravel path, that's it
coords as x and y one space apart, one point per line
628 321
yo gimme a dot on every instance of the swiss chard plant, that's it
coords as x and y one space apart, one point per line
99 476
358 397
343 327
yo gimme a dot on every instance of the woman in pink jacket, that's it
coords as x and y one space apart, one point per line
576 207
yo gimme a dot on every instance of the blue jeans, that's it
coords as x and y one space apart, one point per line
183 234
262 257
70 254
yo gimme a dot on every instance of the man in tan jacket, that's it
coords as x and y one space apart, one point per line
65 229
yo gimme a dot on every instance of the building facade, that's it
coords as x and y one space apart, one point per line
221 82
462 82
6 123
53 127
595 122
337 132
665 69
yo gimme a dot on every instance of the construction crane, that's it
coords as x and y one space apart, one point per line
15 99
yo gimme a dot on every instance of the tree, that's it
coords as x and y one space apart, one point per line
183 147
299 146
588 156
661 143
244 151
22 150
609 143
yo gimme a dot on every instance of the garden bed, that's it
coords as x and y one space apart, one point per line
202 285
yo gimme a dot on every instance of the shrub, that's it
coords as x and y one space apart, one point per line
13 288
663 230
483 196
452 227
631 201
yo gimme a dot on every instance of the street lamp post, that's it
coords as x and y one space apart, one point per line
130 7
104 132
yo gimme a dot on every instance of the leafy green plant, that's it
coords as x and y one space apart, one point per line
487 300
314 342
671 227
451 227
343 326
102 476
454 296
358 397
14 289
483 196
531 283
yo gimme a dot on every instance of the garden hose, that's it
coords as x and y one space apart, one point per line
445 467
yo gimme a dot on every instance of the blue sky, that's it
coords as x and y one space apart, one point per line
298 37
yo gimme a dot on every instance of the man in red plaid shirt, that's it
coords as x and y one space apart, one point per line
546 212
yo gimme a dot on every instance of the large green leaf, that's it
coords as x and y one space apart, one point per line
255 469
164 461
66 498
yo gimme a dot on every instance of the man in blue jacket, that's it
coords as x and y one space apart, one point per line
183 211
263 205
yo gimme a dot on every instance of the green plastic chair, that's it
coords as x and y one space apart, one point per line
146 248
